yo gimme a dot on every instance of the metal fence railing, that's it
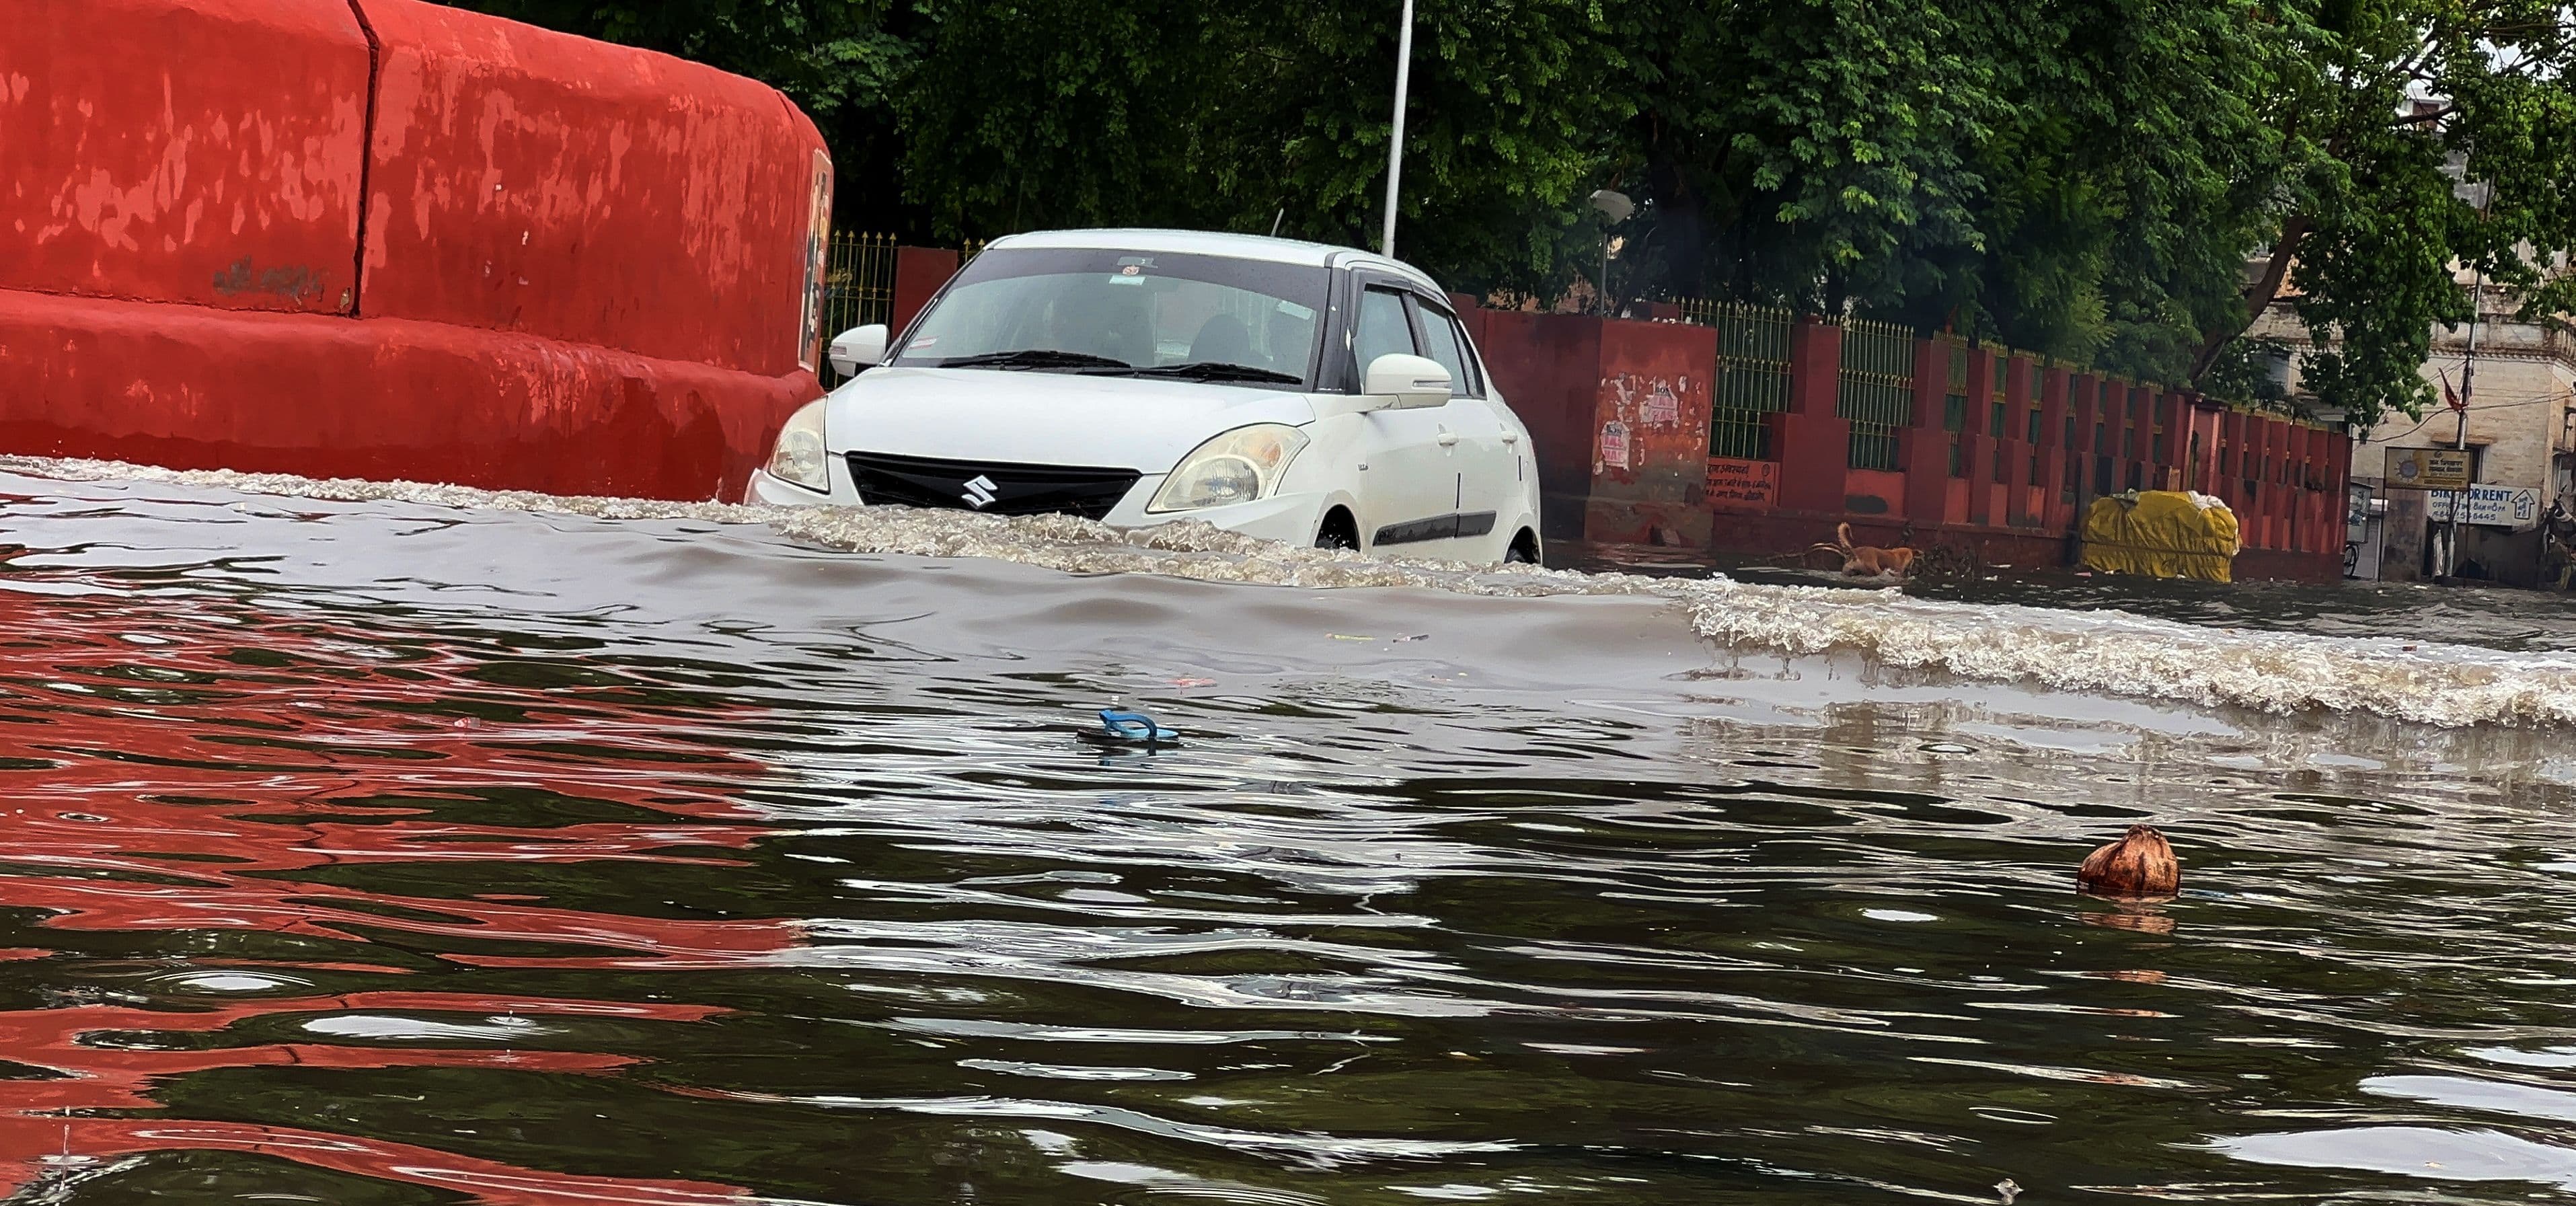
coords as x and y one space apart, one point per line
858 282
1876 391
1752 374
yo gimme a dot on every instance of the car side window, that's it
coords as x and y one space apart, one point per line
1383 330
1444 342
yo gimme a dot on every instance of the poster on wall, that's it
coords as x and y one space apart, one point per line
818 244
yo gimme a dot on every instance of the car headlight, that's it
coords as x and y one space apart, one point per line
1242 465
799 456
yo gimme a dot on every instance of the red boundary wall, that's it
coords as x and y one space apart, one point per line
1986 488
386 238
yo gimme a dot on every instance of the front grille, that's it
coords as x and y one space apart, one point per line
915 481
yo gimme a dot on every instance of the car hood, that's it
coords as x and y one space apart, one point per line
1040 418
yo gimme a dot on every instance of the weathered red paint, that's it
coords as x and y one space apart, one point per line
377 398
581 267
530 181
1650 416
1548 367
207 152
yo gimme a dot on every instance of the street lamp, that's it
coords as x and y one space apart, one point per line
1395 142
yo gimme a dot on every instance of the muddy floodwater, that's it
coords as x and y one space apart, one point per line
361 847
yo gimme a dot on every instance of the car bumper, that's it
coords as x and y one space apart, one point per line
1289 518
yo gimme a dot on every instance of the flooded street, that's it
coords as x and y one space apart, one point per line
368 850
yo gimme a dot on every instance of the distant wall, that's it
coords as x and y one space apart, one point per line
504 257
1931 442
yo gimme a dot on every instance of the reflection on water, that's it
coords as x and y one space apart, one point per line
378 853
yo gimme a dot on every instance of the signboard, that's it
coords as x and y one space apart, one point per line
2516 508
818 240
1741 483
2428 468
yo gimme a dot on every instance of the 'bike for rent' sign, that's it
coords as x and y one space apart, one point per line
2517 508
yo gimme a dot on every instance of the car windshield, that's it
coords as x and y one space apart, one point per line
1127 313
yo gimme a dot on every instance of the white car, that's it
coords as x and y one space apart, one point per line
1287 390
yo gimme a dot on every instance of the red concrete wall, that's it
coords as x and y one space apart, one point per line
1650 422
310 394
1548 367
919 274
2003 509
535 182
555 265
207 153
1809 440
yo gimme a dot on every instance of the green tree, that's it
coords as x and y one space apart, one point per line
2087 178
2381 112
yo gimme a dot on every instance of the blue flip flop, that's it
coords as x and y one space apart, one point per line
1134 728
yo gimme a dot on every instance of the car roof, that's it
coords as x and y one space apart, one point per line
1218 243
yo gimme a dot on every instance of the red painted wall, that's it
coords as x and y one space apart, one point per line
919 274
1653 389
206 153
531 181
586 268
1548 368
387 398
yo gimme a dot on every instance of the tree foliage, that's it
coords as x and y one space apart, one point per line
2129 182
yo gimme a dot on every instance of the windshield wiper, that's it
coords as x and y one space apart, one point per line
1219 370
1034 358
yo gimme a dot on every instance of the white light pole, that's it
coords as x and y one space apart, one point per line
2468 387
1395 143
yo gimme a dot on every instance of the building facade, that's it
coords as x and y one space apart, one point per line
2518 396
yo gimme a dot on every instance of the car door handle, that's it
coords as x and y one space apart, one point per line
1511 437
1448 439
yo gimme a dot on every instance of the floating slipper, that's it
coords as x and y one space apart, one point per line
1133 728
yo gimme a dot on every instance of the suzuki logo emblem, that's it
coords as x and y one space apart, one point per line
979 492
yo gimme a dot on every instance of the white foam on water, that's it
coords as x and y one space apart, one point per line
2095 651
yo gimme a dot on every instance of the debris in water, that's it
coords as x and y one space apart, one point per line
1343 636
2141 863
2006 1190
1133 728
1419 636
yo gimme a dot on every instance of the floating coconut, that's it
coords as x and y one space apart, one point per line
2139 864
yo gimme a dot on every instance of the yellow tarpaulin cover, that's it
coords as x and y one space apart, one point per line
2162 534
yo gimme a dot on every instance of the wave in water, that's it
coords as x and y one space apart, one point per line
2099 651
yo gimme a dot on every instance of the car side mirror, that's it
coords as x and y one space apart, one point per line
1404 382
859 347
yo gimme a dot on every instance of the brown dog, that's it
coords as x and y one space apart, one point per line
1865 559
